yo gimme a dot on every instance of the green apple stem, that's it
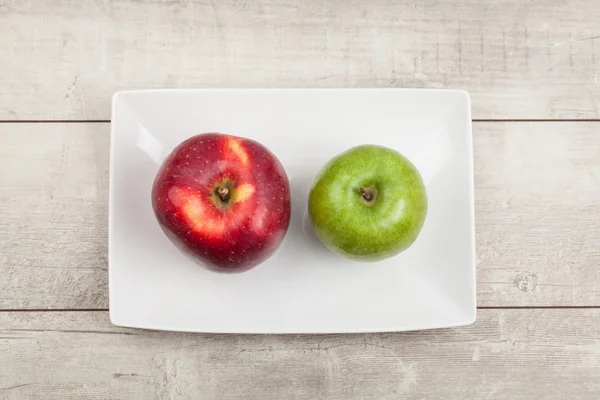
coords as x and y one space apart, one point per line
365 194
223 193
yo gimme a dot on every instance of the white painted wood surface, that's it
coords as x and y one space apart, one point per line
54 215
534 59
507 354
537 193
537 214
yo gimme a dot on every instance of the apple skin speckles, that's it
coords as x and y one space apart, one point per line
368 203
230 232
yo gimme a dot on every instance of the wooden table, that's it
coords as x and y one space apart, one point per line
533 71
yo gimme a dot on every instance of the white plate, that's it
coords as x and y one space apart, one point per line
303 288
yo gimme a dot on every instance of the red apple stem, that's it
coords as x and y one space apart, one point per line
366 195
223 193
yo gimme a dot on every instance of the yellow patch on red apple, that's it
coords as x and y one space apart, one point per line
236 148
193 210
242 192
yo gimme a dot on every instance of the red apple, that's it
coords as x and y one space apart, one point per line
223 200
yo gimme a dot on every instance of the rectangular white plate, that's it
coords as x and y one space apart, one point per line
303 288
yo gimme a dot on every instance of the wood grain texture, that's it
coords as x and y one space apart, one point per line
537 214
537 211
506 354
537 59
54 215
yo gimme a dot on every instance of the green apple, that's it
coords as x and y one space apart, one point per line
368 203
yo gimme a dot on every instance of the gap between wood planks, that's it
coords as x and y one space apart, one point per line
106 121
6 310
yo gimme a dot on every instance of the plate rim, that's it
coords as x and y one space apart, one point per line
470 314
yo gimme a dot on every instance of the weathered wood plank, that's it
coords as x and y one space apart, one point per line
54 215
537 214
507 354
533 59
